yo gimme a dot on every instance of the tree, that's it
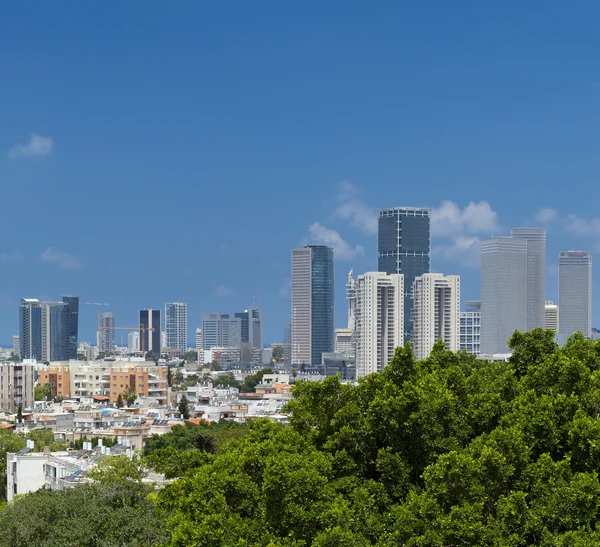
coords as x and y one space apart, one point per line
130 395
120 403
48 391
190 356
253 380
14 358
81 357
38 393
178 377
277 353
20 414
184 410
214 366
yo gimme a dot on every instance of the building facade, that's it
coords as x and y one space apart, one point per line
221 330
133 342
536 274
312 304
344 342
16 386
176 326
436 313
150 339
551 316
379 320
71 325
54 331
30 328
106 332
504 302
251 326
575 293
404 247
470 328
16 345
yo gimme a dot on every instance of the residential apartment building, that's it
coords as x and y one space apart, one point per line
133 342
436 313
176 326
379 320
16 386
106 332
404 247
470 328
504 282
575 293
312 304
551 316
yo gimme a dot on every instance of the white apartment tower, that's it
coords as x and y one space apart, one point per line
133 342
176 326
551 316
436 313
379 320
503 292
575 293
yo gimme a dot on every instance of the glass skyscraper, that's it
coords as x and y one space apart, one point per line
150 339
30 328
312 304
176 325
71 325
404 247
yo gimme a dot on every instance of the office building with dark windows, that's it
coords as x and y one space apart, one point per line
150 331
71 325
404 247
312 304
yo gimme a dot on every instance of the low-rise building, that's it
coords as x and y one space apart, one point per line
16 385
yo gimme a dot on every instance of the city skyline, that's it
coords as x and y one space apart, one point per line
432 106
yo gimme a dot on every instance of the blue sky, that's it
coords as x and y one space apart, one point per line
154 151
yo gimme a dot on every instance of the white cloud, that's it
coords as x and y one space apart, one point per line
342 250
581 226
546 215
460 230
286 289
37 146
352 208
12 257
223 291
449 219
65 260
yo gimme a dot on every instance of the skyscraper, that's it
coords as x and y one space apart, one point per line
71 325
54 331
503 292
404 247
575 293
30 328
536 273
312 304
379 320
133 341
436 313
106 332
221 330
176 325
551 316
251 326
470 328
150 339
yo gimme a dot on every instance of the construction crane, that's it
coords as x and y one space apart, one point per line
99 305
142 328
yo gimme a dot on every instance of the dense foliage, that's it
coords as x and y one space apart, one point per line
449 451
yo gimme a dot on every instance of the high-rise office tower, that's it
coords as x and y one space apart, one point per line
54 331
436 313
133 341
221 330
251 326
551 316
150 339
71 325
536 273
404 247
503 292
575 293
106 332
351 297
30 328
470 328
199 339
312 304
176 325
379 320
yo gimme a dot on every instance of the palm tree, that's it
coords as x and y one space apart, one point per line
130 395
